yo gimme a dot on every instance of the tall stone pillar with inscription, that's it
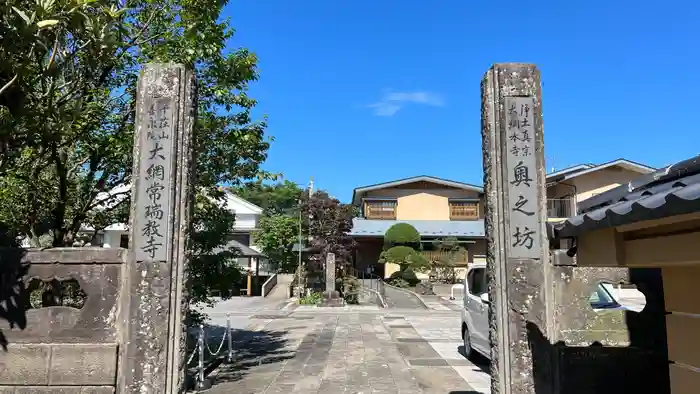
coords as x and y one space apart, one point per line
515 217
152 312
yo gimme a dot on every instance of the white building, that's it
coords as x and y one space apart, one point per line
247 220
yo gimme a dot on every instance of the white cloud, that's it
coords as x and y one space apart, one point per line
391 102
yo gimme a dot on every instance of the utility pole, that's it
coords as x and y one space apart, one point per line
300 285
300 288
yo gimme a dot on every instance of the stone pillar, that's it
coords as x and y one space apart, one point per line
515 221
331 296
153 307
330 272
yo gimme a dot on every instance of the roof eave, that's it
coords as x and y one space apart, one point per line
445 182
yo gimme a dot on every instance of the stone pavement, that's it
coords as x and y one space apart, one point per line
240 309
398 298
350 350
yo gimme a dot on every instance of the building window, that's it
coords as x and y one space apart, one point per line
380 209
464 210
124 241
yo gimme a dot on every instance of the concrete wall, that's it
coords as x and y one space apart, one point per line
682 304
62 348
606 351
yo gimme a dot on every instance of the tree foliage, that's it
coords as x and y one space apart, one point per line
402 234
404 256
68 73
276 236
329 225
281 198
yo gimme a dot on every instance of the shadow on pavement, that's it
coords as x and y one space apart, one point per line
254 350
477 359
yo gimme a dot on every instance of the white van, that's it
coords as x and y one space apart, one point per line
475 311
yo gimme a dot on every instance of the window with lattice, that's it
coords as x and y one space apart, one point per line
380 209
464 210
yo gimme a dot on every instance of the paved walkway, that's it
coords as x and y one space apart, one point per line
240 309
350 350
396 298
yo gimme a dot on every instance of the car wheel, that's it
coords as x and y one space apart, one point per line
467 343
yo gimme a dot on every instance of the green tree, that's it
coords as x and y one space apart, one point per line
402 234
329 224
404 256
68 73
450 253
276 237
402 246
275 199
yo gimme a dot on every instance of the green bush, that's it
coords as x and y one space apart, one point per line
402 234
399 282
351 289
311 299
405 275
405 257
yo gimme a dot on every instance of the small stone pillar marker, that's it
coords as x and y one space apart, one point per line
331 296
152 358
515 221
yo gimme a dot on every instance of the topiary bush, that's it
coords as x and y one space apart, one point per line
404 278
402 234
405 257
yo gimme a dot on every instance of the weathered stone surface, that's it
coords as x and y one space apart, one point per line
517 285
56 389
98 272
153 359
25 364
83 364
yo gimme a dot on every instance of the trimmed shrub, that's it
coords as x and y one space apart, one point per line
402 234
405 257
404 278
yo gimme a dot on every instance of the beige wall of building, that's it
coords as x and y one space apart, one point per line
597 182
424 204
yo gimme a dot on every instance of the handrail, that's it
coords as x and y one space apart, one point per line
376 282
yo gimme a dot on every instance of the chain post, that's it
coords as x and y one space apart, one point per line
200 372
229 357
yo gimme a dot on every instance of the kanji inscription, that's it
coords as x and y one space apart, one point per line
522 185
153 194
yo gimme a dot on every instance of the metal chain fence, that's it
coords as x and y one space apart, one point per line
202 348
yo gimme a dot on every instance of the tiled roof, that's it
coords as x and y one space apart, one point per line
582 169
673 190
438 228
357 193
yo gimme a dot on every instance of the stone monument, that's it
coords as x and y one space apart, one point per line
153 331
515 221
331 297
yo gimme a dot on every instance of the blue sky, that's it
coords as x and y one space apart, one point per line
360 92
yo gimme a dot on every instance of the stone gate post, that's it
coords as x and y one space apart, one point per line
515 221
152 307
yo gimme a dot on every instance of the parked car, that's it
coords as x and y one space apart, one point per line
475 310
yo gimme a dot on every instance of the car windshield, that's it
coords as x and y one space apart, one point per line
601 297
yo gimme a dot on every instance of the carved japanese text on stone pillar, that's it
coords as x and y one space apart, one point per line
330 272
153 194
521 167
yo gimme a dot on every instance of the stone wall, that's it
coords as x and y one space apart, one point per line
60 342
607 351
